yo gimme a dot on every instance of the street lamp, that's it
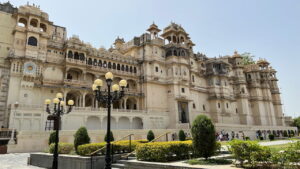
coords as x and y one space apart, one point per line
108 98
58 111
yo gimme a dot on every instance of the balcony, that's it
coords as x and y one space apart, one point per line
86 110
74 61
78 83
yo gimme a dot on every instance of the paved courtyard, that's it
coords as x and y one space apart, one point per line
15 161
19 160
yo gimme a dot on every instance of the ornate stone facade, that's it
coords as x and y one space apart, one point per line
168 83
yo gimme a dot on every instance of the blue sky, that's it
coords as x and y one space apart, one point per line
268 29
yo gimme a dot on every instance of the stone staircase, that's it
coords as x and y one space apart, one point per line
4 76
120 164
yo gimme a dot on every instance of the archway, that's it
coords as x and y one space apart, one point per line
74 95
89 100
131 103
124 123
113 123
93 123
137 123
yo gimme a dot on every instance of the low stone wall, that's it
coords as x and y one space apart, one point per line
29 141
44 160
134 164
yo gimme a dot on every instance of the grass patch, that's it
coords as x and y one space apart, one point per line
209 161
277 148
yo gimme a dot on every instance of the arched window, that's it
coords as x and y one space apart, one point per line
118 66
90 61
70 54
43 27
32 41
34 22
95 62
76 56
134 70
122 67
81 56
126 68
130 69
114 66
22 22
100 63
109 65
175 53
169 53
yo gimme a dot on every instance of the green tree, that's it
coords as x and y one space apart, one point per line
248 58
296 122
111 137
182 135
203 132
52 138
150 135
81 137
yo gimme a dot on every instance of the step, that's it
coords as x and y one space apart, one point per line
122 161
118 165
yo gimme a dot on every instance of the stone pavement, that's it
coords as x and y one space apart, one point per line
19 160
15 161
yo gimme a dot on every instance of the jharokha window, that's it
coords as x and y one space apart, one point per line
32 41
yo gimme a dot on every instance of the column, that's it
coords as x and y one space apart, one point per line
83 100
125 100
130 120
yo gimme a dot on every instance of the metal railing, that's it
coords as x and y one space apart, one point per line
129 136
165 134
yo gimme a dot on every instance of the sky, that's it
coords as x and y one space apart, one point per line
268 29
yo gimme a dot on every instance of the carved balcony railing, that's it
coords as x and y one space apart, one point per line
78 83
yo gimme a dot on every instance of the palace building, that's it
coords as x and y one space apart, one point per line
169 84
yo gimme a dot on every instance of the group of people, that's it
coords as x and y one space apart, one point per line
225 136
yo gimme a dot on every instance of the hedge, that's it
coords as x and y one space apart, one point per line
63 148
118 147
164 151
251 155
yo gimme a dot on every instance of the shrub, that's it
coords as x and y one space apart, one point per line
285 134
292 133
150 135
81 137
52 138
247 138
120 146
164 151
242 150
261 138
63 148
271 137
290 155
203 132
260 156
111 137
182 135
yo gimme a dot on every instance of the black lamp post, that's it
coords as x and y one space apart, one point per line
58 111
108 98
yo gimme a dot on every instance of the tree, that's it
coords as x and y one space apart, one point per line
296 122
52 138
81 137
248 58
111 137
150 135
182 135
203 132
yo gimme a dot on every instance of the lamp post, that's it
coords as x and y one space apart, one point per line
58 111
108 98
